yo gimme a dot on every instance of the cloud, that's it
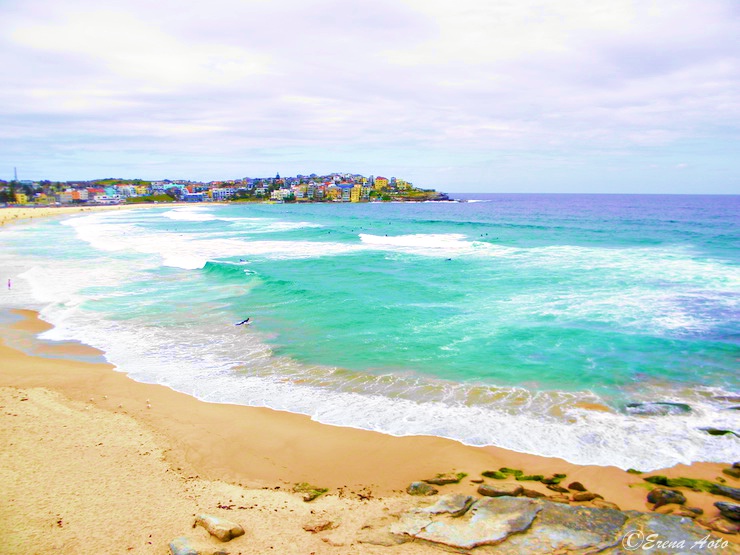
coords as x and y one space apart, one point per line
214 87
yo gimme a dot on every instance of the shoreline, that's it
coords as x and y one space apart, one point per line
259 450
19 214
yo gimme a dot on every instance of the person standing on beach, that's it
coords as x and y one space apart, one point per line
8 284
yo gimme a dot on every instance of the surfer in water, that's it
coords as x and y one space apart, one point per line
242 322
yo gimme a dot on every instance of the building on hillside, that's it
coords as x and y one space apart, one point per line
380 183
222 193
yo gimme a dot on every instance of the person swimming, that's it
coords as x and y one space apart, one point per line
242 322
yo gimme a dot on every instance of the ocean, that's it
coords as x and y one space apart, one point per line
504 320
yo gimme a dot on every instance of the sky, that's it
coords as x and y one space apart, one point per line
603 96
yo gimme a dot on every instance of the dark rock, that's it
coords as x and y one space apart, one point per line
586 496
558 489
556 479
633 471
559 499
726 491
421 488
495 474
500 490
730 511
576 486
728 398
736 465
444 479
488 522
532 494
660 497
718 432
657 408
734 472
182 546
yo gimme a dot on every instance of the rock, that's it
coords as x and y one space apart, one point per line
726 491
734 472
308 492
455 504
657 408
561 528
223 529
500 490
660 497
576 486
530 478
488 522
421 488
511 471
495 474
718 432
554 479
722 525
559 489
319 525
633 471
736 465
477 481
182 546
730 511
601 504
532 494
585 496
691 483
685 513
444 479
559 499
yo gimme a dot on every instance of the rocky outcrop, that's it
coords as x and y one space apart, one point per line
487 522
515 525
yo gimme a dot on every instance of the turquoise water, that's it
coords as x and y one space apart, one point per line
489 321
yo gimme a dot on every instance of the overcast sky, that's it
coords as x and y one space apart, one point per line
458 95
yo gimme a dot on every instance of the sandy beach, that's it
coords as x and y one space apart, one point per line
94 462
21 214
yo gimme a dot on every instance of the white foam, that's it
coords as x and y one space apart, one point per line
190 214
433 244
